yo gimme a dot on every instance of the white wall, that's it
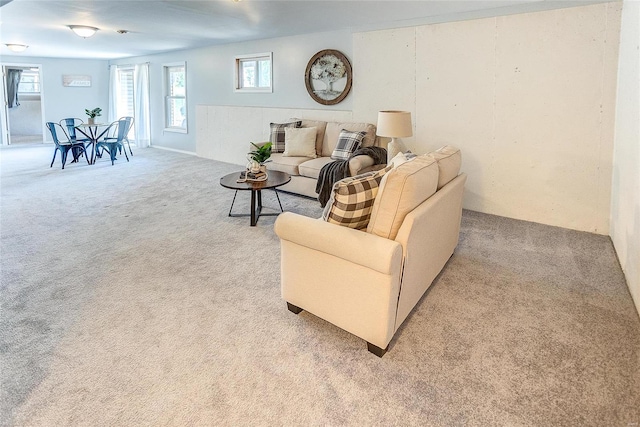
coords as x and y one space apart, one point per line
625 197
60 101
529 98
224 132
210 79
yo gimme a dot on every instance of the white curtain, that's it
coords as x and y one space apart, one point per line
142 124
114 85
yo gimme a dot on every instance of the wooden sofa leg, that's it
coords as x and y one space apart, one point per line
293 308
376 350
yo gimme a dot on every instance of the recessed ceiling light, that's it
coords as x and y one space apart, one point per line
83 30
17 47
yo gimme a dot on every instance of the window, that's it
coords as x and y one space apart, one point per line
175 78
124 94
253 73
29 82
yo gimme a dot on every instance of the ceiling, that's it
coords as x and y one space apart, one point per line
159 26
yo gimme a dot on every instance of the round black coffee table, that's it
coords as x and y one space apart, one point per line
275 179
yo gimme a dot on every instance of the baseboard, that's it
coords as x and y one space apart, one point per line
175 150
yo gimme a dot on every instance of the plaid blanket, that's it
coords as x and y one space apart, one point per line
339 169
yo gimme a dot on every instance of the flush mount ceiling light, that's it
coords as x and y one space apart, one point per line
83 30
17 47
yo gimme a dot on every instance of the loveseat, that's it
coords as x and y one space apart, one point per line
304 170
367 281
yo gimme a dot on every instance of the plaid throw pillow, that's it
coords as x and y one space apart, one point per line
352 200
348 142
277 135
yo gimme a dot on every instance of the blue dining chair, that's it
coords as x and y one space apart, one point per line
70 124
113 134
111 144
64 146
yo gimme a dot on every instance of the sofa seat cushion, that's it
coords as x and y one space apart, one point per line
311 168
449 161
332 134
289 165
402 189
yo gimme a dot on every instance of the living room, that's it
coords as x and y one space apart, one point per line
543 106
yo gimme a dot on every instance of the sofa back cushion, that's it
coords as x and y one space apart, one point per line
449 161
332 134
402 189
352 200
320 129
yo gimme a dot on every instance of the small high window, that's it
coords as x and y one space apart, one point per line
175 82
253 73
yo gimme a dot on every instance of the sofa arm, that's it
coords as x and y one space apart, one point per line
368 250
357 163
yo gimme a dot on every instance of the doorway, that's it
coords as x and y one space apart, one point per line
22 116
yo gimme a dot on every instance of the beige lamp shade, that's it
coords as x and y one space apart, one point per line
394 124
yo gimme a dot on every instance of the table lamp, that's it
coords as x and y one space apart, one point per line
394 124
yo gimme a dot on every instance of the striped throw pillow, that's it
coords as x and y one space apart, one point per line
348 142
277 135
352 200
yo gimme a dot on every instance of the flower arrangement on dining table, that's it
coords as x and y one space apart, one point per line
96 112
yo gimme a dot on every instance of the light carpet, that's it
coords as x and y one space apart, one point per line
129 297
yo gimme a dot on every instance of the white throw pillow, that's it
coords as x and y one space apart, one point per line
398 159
299 142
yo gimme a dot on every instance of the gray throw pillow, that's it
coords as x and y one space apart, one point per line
348 142
277 135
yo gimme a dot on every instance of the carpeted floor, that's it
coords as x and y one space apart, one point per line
130 298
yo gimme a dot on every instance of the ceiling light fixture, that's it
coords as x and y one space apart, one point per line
83 30
17 47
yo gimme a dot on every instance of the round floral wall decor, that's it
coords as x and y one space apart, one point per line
328 77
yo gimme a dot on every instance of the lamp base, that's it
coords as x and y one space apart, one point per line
393 148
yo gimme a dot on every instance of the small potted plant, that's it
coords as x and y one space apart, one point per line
93 114
259 157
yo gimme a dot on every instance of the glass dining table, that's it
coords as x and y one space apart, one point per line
94 132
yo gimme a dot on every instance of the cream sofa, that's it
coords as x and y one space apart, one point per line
368 282
304 171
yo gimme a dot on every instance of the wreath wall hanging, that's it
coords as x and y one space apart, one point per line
328 77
